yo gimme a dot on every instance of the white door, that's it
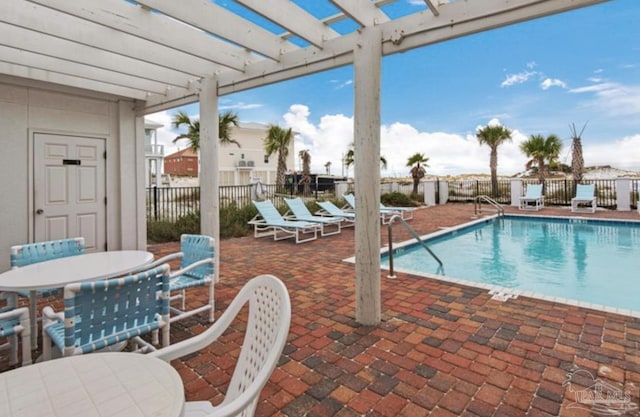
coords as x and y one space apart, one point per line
69 189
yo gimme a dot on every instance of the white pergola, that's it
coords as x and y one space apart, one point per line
168 53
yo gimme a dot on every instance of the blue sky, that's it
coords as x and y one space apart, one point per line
536 77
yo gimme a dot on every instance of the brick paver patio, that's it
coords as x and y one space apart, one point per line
441 349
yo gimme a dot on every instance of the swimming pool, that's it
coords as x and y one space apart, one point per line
592 263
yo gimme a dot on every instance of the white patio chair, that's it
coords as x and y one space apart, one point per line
14 323
267 328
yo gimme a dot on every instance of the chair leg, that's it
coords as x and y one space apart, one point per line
13 349
211 303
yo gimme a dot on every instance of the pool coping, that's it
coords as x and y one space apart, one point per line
498 292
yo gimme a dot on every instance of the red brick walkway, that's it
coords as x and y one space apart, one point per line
441 349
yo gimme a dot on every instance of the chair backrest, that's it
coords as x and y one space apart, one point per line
195 248
101 313
585 191
350 199
533 191
268 211
297 207
330 208
269 318
31 253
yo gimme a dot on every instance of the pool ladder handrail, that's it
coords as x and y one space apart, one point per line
477 204
415 236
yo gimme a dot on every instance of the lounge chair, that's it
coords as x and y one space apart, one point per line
299 211
533 198
585 199
327 208
385 212
269 222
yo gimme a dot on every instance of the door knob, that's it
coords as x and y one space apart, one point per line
39 211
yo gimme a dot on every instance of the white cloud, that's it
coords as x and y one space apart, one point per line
552 82
622 154
448 153
519 78
241 106
612 98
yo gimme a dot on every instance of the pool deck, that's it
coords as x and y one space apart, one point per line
441 349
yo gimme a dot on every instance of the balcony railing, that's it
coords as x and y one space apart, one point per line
153 150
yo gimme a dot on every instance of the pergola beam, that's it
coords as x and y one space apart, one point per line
364 13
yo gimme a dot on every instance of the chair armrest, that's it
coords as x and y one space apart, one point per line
158 262
194 265
50 316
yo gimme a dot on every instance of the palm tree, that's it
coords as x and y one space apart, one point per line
349 158
305 157
541 150
327 167
577 161
493 136
225 122
417 170
278 141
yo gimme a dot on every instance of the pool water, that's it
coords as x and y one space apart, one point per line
593 261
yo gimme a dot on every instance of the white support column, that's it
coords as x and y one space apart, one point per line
209 177
367 74
623 194
516 192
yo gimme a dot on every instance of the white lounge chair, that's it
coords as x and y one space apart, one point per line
299 211
585 199
533 198
269 222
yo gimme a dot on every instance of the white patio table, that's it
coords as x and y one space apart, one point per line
57 273
92 385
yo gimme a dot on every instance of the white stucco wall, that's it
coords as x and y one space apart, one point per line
27 108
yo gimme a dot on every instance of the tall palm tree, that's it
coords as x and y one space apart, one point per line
541 150
417 170
577 160
278 141
225 122
349 158
493 136
327 167
305 157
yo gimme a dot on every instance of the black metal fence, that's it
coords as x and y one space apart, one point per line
171 203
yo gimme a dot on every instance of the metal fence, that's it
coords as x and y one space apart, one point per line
171 203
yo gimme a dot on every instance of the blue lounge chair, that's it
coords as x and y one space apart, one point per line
269 222
327 208
385 212
299 211
533 198
585 199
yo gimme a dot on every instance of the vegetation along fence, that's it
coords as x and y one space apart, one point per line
171 203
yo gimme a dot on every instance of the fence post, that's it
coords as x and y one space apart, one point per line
516 191
155 203
623 194
443 192
429 189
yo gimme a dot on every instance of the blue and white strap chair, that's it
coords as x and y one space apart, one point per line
197 254
267 328
31 253
103 314
14 323
269 222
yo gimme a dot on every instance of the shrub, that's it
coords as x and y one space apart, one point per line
397 199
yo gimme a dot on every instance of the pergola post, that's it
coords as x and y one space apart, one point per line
209 181
367 73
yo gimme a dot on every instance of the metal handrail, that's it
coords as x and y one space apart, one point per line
477 204
415 236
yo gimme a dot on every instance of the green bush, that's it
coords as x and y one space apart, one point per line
234 220
397 199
